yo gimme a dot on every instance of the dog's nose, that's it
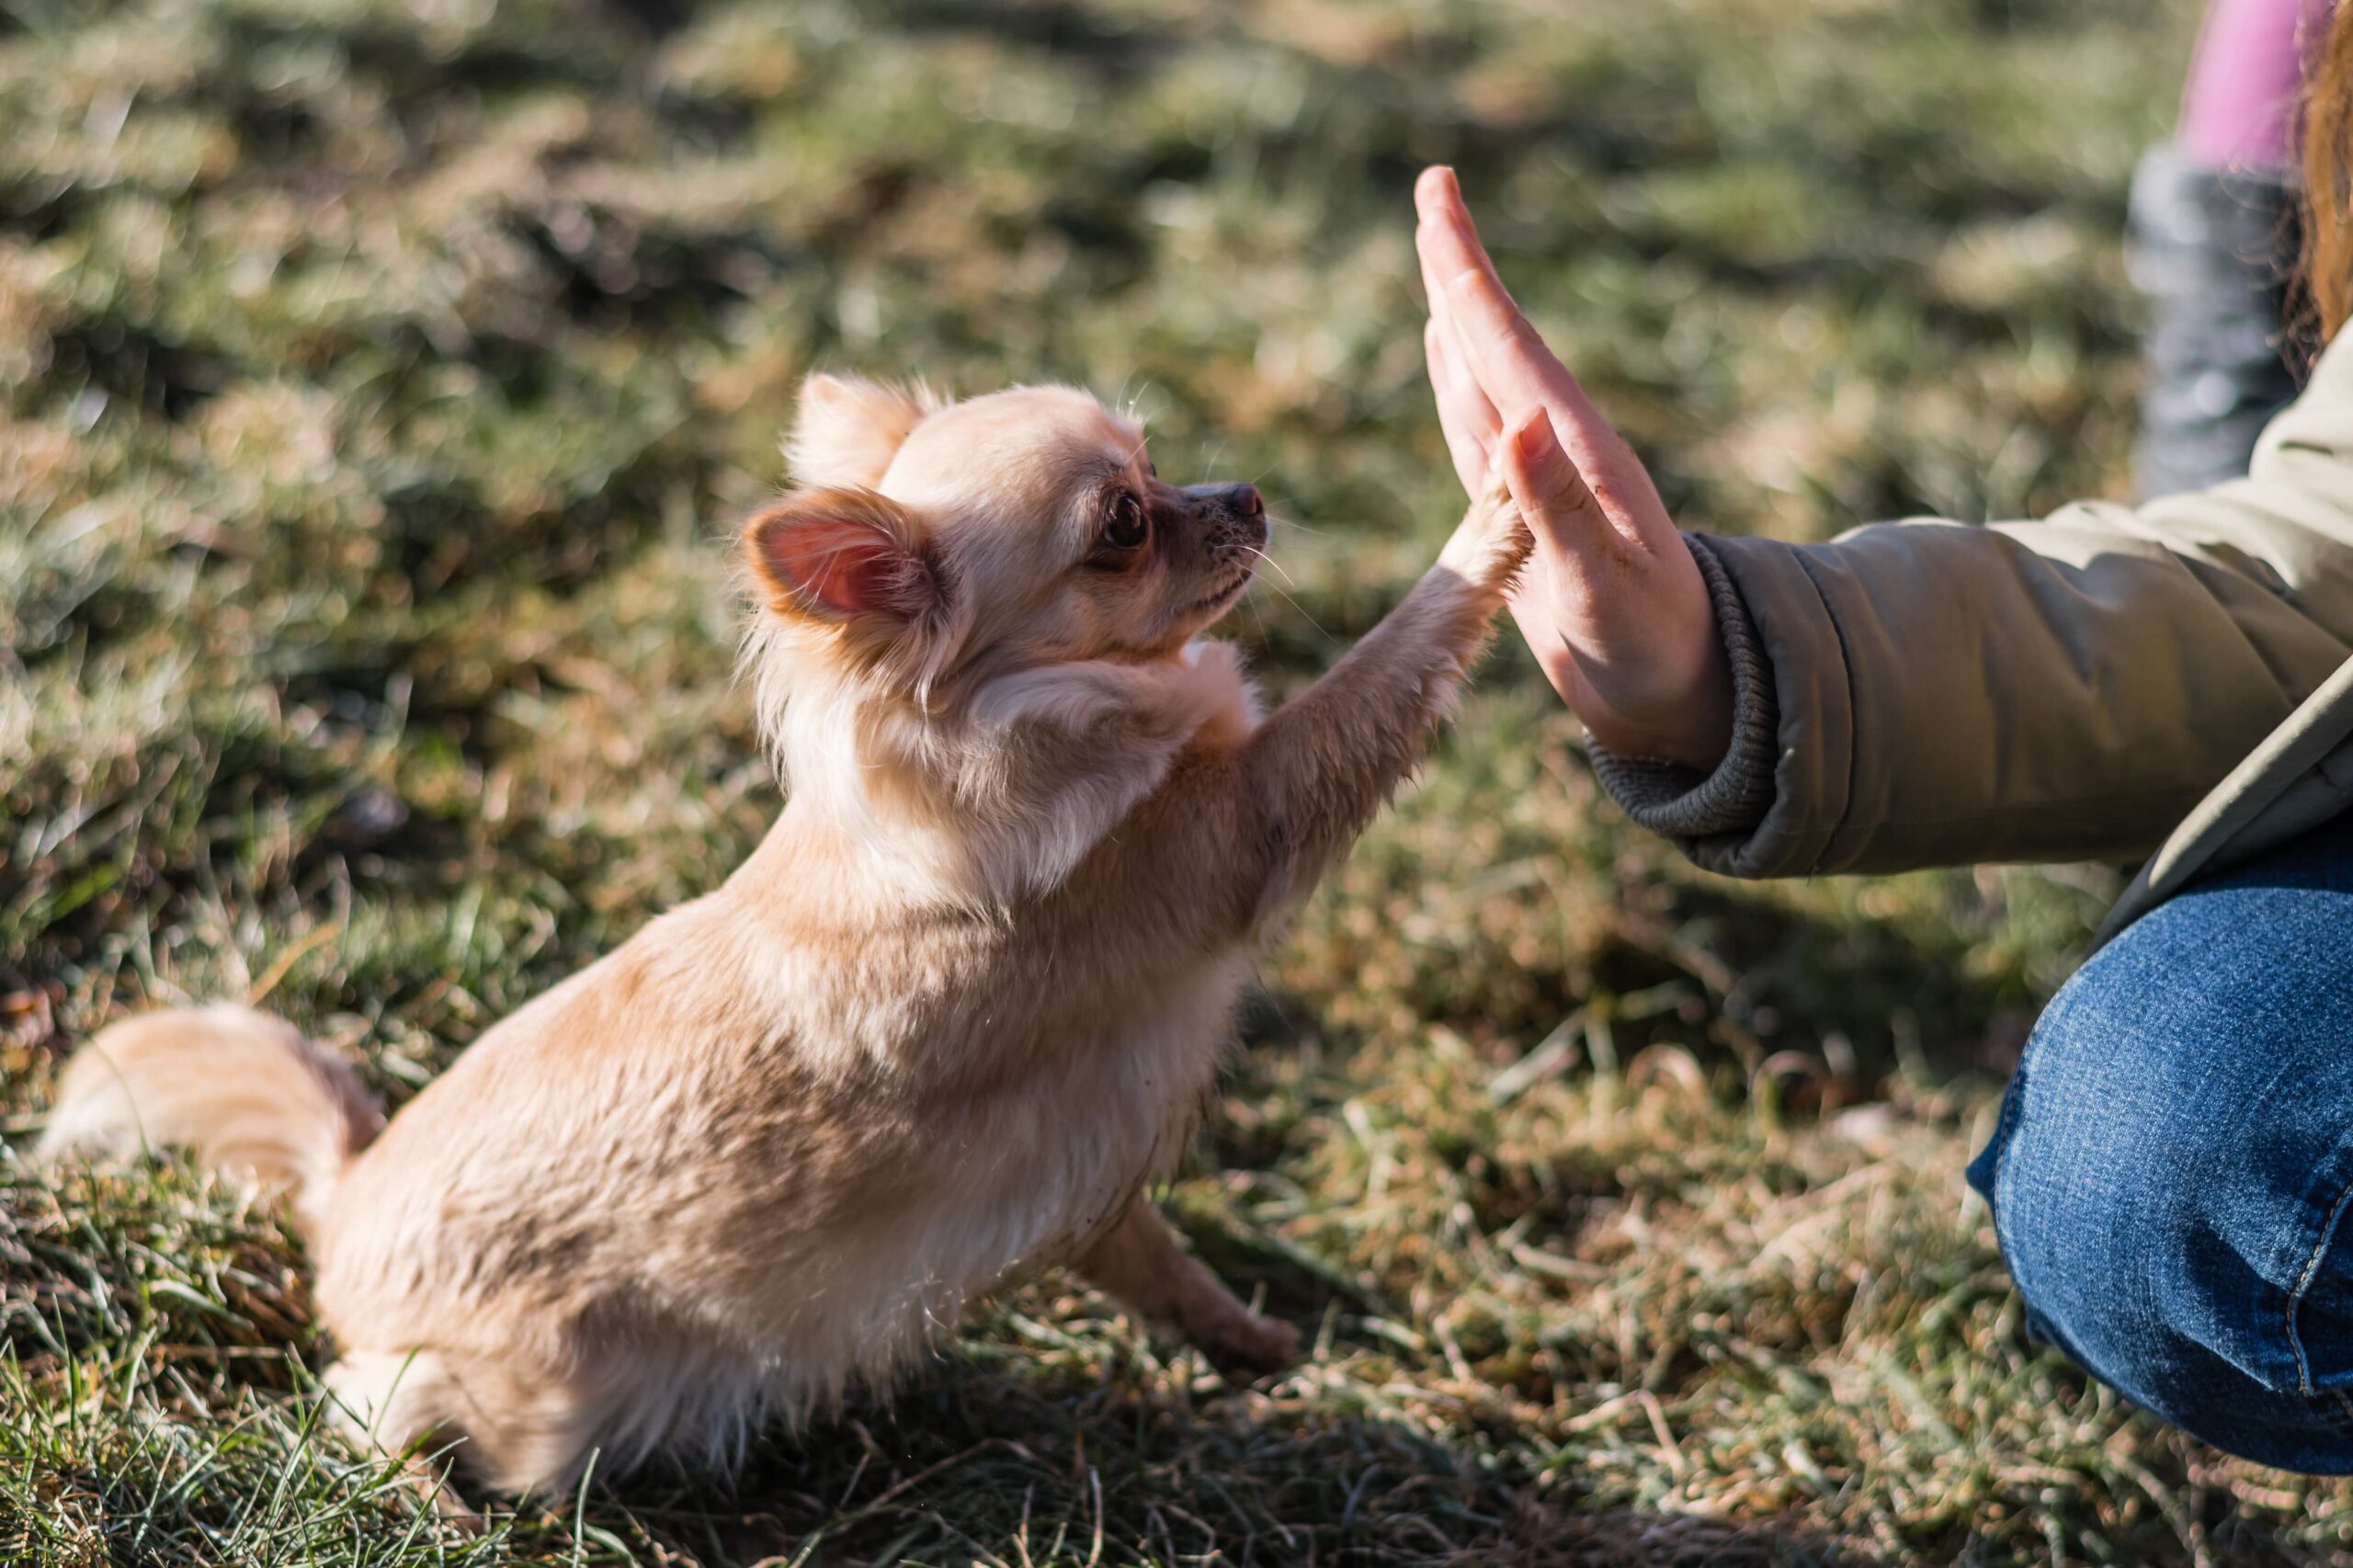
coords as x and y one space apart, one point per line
1244 500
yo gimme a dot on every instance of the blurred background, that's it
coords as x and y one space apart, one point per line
379 386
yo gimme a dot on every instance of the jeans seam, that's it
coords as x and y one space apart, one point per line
2005 1133
2296 1300
2005 1129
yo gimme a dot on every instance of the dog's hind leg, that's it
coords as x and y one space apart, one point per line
512 1429
402 1406
1138 1261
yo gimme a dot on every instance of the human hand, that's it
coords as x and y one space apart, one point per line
1613 604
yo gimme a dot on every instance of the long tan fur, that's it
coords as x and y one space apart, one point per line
244 1090
943 1028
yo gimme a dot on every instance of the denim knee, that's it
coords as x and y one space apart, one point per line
2172 1174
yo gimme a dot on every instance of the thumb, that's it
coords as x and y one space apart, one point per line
1550 494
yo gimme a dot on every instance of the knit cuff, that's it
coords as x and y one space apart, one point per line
1683 802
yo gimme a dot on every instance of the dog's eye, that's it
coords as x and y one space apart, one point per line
1123 524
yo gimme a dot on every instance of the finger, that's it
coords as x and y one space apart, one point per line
1445 340
1439 202
1468 452
1432 184
1476 412
1430 189
1445 234
1464 414
1425 256
1450 331
1550 491
1506 353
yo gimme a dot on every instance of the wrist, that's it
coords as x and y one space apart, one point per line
1700 745
1686 721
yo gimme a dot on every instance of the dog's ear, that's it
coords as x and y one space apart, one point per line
849 429
844 555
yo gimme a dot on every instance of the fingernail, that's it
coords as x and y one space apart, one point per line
1533 432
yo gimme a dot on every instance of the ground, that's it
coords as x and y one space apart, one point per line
380 383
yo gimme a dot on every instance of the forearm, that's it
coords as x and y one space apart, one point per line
1316 772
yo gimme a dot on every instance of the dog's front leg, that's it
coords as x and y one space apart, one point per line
1316 772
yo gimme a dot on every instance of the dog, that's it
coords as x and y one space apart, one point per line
943 1029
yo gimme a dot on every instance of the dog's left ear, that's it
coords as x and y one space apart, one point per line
848 429
844 555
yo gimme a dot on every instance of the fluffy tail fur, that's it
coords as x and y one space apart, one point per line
244 1090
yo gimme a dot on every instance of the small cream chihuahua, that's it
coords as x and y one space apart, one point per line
943 1029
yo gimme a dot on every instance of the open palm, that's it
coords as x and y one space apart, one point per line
1613 604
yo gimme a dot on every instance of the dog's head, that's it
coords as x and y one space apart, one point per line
974 636
1013 531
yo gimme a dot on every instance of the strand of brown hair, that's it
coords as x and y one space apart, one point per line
2328 178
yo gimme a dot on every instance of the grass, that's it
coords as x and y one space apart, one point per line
377 385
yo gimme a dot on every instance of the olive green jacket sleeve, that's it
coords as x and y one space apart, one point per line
1938 693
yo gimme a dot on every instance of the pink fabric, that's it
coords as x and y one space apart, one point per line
2239 108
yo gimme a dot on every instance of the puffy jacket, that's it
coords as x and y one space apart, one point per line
2167 683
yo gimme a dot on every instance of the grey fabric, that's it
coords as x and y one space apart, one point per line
1683 802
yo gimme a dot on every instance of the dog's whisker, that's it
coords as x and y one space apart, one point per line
1301 608
1270 560
1260 616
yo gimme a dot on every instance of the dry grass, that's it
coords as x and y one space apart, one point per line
377 385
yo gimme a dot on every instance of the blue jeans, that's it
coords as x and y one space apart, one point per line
2172 1172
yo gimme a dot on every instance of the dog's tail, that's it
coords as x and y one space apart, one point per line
246 1092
